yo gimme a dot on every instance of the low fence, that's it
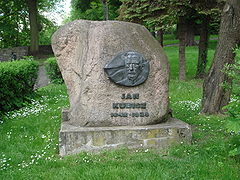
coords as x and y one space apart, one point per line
18 52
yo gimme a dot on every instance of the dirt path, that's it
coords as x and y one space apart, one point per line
43 79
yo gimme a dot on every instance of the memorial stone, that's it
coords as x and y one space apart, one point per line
117 78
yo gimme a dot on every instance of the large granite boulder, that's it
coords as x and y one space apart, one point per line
94 58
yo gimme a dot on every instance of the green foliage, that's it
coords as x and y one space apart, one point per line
94 12
233 108
93 9
48 28
163 14
151 14
14 23
17 80
53 71
214 25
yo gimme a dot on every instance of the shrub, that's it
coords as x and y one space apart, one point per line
233 108
17 79
53 71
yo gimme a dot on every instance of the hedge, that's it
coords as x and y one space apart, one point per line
17 79
53 71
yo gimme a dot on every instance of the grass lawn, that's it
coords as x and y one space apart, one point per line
29 140
169 39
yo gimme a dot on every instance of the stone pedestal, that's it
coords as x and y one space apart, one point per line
77 139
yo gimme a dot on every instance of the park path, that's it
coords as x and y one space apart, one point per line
42 79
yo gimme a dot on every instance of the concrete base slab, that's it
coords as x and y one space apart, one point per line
77 139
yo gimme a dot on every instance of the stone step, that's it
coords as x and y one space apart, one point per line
78 139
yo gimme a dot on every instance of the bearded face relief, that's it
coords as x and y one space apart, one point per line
128 69
133 65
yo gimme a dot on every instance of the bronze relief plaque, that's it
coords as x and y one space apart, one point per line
129 68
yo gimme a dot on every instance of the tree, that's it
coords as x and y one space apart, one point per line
13 24
199 14
15 21
34 26
215 96
208 14
159 15
182 46
105 9
94 9
152 14
203 47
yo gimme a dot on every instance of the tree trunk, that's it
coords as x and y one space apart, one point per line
105 9
159 35
214 94
34 32
189 35
189 32
182 35
203 48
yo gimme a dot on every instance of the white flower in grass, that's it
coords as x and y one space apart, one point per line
43 136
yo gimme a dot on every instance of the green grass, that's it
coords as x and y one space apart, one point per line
191 60
191 56
170 39
29 141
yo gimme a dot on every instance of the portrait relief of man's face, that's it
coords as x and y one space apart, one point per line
128 69
133 65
